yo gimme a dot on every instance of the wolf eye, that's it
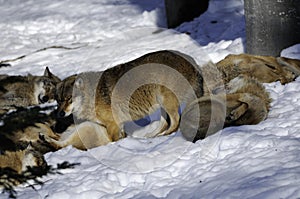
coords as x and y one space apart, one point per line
68 99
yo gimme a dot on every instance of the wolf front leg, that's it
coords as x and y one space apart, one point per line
83 136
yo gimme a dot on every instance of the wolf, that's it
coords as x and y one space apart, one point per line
131 91
245 102
265 69
24 91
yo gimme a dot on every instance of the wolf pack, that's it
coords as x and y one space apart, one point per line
90 109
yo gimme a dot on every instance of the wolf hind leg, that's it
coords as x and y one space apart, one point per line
163 125
170 104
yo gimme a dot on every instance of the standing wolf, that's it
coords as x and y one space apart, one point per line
130 91
23 91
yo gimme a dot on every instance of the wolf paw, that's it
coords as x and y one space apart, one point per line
237 113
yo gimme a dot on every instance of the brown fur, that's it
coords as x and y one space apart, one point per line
292 65
246 103
31 134
213 82
20 160
265 69
245 84
97 97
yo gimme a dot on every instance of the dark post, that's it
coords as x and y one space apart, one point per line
271 25
179 11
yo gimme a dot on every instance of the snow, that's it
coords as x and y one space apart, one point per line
71 36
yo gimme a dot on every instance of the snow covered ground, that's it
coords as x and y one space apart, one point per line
71 36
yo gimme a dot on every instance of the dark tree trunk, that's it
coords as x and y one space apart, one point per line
179 11
271 25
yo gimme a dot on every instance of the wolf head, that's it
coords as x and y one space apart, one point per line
76 95
44 87
64 95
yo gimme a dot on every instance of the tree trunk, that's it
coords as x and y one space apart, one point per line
271 25
179 11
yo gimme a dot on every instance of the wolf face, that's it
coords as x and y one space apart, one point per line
24 91
44 87
64 96
76 95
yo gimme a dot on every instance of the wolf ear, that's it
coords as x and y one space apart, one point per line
79 83
47 73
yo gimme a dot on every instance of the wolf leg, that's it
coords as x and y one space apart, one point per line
163 125
84 136
170 104
114 131
245 108
237 112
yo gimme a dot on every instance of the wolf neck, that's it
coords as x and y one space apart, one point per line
86 109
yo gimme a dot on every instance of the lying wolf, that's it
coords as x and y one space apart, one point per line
23 91
265 69
131 91
246 102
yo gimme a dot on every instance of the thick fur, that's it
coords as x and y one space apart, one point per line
212 79
23 91
21 159
32 134
265 69
245 84
99 97
245 103
292 65
25 126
